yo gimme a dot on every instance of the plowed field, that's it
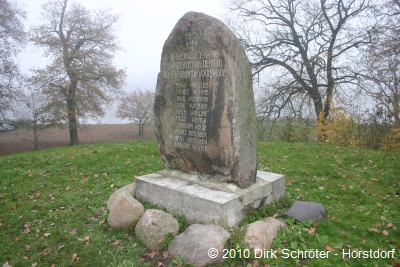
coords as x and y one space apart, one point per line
21 140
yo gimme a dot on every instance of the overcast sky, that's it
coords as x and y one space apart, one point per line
144 27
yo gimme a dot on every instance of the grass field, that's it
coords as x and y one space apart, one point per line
53 204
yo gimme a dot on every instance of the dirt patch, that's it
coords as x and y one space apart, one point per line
21 140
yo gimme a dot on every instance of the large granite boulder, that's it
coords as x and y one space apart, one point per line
196 242
260 234
153 227
125 211
204 104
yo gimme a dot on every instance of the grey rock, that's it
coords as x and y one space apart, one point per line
204 104
125 211
196 241
153 226
260 234
130 188
306 210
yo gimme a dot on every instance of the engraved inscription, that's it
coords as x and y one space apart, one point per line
195 64
192 97
190 130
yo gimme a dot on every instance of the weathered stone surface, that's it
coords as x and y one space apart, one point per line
125 211
196 241
261 234
207 202
204 105
306 210
130 188
153 226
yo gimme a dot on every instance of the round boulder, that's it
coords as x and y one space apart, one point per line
200 245
125 211
260 234
130 188
153 226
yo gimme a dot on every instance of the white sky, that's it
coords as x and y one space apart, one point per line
145 25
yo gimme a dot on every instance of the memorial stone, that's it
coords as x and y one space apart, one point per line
205 125
204 105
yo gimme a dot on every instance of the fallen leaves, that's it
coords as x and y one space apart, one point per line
311 230
75 213
385 233
290 182
116 242
74 258
342 186
25 228
85 239
46 251
152 254
329 248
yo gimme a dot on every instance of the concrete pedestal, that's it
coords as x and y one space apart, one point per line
205 202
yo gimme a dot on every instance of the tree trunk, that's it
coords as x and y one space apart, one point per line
140 128
73 136
72 123
321 119
35 134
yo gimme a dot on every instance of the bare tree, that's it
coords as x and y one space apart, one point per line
137 107
380 78
12 39
80 81
33 114
304 44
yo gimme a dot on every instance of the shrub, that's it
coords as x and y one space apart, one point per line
338 129
392 140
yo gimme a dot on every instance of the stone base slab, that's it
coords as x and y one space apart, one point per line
205 202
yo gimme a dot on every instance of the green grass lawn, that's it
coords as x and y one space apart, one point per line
53 204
